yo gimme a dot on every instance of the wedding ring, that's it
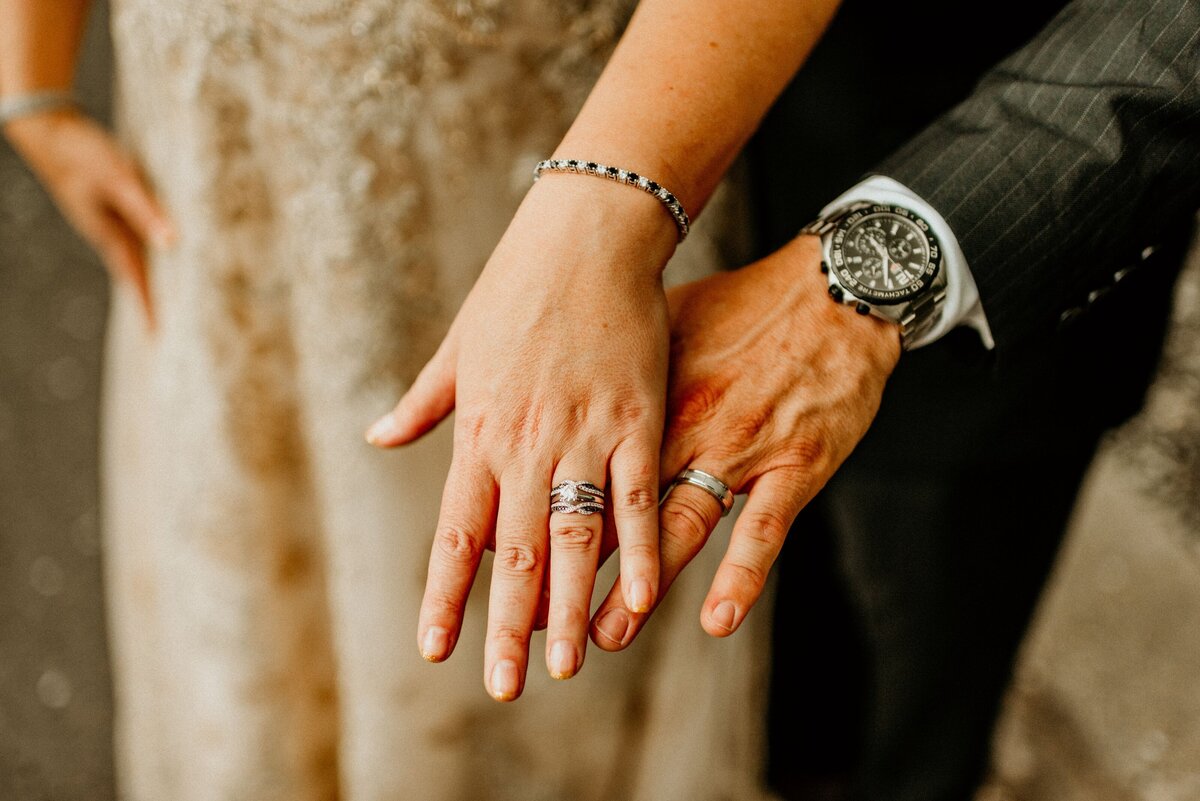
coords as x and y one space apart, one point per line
707 482
577 497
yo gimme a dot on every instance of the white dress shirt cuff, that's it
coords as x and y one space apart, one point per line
962 305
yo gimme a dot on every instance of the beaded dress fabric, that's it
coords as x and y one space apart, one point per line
339 172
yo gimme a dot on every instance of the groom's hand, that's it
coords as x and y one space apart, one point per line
772 384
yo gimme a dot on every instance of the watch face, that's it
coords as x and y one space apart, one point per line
884 254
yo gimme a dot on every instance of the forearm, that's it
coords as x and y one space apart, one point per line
39 43
689 83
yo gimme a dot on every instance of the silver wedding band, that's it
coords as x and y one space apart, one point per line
576 498
707 482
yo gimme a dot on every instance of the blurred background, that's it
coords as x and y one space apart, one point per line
55 696
1105 705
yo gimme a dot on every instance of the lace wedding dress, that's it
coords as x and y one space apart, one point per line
339 172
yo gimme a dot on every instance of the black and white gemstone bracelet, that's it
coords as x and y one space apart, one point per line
672 204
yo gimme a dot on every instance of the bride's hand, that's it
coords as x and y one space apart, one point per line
98 188
557 367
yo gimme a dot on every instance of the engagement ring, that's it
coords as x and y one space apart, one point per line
577 497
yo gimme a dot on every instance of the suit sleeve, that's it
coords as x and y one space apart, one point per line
1070 158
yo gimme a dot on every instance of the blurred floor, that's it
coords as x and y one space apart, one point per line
1106 705
1106 701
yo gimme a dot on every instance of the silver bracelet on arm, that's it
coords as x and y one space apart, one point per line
23 105
669 201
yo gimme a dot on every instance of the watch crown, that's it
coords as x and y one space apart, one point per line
862 308
835 292
824 267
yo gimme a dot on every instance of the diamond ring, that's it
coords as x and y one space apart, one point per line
577 497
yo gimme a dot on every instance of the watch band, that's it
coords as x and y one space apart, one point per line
924 313
821 226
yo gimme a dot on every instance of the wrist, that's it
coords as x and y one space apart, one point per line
639 155
27 130
16 107
869 337
595 214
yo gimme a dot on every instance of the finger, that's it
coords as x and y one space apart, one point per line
574 550
634 470
129 197
464 526
517 571
124 256
687 518
754 545
608 543
542 619
427 402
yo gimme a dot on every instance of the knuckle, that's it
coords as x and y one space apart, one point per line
458 545
470 430
766 527
638 500
630 411
644 551
574 537
567 616
696 403
801 483
748 426
577 414
525 425
441 606
510 633
747 575
518 560
683 521
806 451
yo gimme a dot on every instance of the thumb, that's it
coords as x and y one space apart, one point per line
427 402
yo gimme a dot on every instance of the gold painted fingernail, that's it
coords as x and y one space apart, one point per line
504 680
435 644
562 660
639 596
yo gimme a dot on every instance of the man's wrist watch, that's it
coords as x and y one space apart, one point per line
883 260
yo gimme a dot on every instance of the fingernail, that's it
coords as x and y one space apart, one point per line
163 237
435 644
562 660
613 626
639 596
724 614
504 680
380 429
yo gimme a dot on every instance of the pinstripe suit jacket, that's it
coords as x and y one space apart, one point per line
1070 159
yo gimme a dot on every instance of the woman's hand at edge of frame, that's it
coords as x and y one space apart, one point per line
99 190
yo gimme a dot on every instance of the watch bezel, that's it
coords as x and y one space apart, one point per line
877 297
